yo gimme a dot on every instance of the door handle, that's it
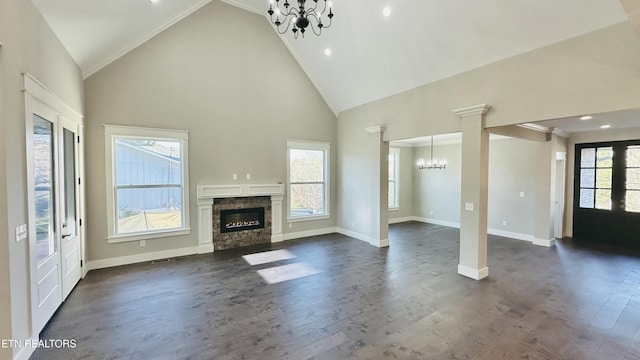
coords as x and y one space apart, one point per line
65 235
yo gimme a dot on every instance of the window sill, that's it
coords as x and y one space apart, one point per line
395 208
147 236
308 218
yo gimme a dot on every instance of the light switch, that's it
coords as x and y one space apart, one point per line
468 206
521 193
248 176
21 232
235 176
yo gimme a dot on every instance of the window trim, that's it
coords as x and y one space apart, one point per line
396 181
112 132
310 145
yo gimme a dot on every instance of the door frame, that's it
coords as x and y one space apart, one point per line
34 91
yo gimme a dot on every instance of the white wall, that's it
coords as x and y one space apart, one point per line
511 170
28 45
225 76
552 82
405 185
437 192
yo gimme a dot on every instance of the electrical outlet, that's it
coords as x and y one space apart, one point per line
431 212
504 223
143 243
248 176
468 206
521 193
290 225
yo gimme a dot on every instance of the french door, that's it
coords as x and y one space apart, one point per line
607 192
54 208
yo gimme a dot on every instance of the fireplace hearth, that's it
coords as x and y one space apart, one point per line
241 219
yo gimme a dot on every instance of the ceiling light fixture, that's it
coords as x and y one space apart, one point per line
586 117
433 163
386 11
327 52
605 126
300 17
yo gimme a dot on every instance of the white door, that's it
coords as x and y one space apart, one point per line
44 224
69 204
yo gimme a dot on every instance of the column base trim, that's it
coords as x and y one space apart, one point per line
476 274
544 242
377 243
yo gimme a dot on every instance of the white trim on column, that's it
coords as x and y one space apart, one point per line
476 274
276 218
205 226
544 242
363 237
479 109
376 129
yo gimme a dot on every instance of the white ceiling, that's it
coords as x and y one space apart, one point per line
372 56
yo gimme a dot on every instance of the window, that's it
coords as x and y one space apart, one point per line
632 187
147 183
394 159
308 174
595 177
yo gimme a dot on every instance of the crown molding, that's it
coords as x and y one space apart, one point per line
536 127
244 6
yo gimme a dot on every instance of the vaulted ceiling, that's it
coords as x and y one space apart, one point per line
372 56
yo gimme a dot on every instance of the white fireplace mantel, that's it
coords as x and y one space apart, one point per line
207 193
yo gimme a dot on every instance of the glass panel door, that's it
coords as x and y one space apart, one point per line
44 188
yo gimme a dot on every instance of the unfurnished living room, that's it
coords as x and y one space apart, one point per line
265 179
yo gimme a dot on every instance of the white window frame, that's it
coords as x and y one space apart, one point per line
309 145
116 131
395 152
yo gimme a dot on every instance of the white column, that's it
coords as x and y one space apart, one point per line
380 200
276 219
205 226
474 192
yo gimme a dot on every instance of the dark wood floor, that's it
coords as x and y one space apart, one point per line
404 302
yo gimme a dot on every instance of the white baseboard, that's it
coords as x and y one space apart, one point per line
543 242
437 222
365 238
138 258
511 235
401 219
277 238
476 274
307 233
497 232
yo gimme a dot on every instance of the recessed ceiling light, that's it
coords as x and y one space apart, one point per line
586 117
605 126
386 11
154 1
327 52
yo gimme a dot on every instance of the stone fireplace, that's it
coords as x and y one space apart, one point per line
240 202
242 221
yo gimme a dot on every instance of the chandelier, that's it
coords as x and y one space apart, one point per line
433 163
300 17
